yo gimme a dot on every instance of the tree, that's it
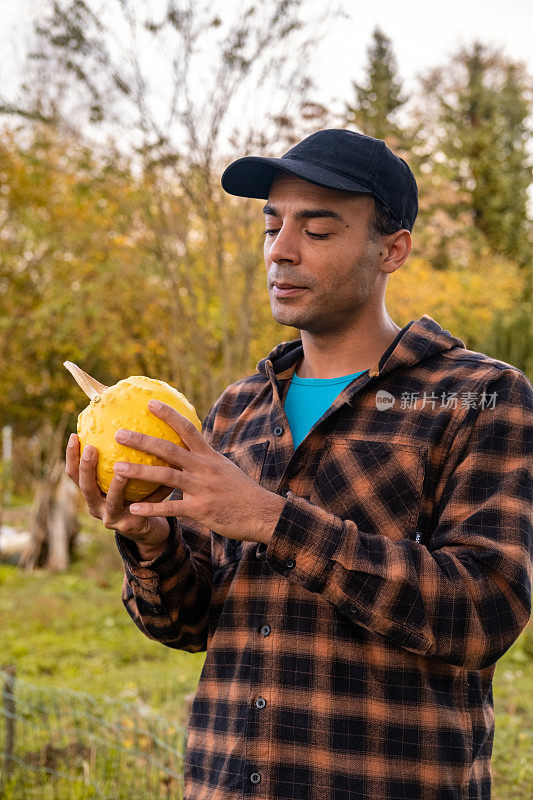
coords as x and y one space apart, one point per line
480 105
379 98
418 288
178 130
72 285
483 104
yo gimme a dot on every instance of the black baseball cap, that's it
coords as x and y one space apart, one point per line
337 158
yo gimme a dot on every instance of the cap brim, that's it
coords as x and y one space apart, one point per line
252 176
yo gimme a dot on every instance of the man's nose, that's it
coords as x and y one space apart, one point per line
284 246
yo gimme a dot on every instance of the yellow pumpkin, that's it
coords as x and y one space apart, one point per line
125 405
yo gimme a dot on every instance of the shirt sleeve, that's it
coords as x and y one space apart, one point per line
464 597
169 597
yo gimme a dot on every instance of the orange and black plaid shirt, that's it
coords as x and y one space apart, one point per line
352 657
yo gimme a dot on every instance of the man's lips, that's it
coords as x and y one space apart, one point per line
283 289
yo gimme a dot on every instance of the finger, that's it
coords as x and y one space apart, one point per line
116 506
72 458
166 476
94 498
191 436
115 499
168 508
168 451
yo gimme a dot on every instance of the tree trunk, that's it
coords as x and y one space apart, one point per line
63 527
36 552
53 520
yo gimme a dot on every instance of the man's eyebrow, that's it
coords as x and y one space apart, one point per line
305 213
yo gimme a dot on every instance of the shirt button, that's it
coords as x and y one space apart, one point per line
265 630
352 610
260 702
255 777
284 491
278 430
290 563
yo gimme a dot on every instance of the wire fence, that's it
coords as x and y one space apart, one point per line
58 744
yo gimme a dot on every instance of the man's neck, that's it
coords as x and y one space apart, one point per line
338 354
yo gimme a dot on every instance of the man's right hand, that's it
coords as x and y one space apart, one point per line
149 533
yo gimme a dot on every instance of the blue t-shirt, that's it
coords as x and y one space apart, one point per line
308 398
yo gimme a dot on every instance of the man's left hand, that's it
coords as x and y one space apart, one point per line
215 491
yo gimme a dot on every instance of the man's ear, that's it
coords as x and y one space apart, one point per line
397 247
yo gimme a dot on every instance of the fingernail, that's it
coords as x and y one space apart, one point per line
134 508
87 453
121 478
71 440
123 435
154 405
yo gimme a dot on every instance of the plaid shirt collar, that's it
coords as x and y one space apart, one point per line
416 341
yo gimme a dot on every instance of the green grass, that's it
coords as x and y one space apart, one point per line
71 630
512 761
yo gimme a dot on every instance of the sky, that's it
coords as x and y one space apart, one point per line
424 33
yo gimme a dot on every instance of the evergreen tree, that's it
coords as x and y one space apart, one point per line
381 96
484 121
483 106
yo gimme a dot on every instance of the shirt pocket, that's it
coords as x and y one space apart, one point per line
377 484
250 458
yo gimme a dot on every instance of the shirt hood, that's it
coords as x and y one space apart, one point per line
415 342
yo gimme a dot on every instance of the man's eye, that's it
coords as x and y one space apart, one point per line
318 235
313 235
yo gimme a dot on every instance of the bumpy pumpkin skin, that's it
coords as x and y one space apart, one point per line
125 405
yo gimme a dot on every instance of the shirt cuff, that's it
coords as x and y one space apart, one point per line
160 567
304 542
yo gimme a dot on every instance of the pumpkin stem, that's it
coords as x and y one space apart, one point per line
90 386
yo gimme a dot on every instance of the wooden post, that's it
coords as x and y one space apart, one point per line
8 710
7 469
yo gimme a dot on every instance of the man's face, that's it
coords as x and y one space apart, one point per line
327 253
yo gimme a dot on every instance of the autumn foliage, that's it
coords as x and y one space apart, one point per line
138 263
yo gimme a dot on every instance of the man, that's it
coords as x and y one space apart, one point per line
349 539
